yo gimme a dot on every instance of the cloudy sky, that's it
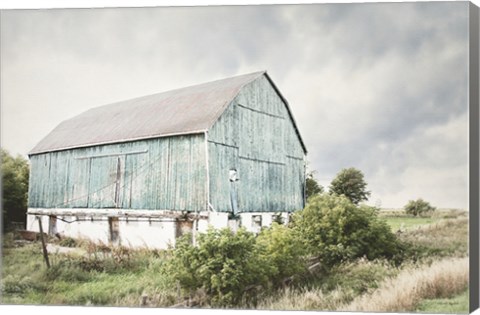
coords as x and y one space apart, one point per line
379 87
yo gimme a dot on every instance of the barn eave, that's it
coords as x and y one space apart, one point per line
86 145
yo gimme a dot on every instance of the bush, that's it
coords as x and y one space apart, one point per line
283 249
223 264
418 207
336 230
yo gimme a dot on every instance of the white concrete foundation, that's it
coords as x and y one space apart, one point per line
158 233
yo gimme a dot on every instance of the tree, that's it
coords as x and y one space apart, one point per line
418 207
350 183
312 186
15 173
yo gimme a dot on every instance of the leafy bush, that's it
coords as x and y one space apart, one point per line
336 230
418 207
283 249
224 265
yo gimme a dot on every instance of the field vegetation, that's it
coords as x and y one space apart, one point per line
455 305
281 268
336 254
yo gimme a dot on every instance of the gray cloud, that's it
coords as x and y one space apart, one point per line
392 78
382 87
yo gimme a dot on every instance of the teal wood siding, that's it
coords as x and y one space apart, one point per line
221 160
257 137
164 173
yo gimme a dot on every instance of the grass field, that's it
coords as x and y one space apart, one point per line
408 223
399 220
118 279
456 305
126 277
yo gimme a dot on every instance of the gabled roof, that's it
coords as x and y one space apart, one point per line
187 110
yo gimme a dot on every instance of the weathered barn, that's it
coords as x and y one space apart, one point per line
141 171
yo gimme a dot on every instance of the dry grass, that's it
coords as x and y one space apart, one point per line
327 291
442 279
306 299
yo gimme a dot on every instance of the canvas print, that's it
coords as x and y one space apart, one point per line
262 157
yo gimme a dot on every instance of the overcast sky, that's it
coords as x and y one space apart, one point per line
379 87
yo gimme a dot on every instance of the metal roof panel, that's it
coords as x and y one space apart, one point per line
181 111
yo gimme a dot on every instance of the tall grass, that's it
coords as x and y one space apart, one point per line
304 299
445 238
119 276
330 290
441 279
115 276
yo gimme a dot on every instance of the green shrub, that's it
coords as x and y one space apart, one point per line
283 249
418 207
68 242
336 230
223 264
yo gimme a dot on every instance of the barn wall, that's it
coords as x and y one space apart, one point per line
163 173
256 136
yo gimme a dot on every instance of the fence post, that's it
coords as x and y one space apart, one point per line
44 248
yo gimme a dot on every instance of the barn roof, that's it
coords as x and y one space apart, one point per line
187 110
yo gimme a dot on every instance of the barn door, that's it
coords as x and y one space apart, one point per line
80 184
106 175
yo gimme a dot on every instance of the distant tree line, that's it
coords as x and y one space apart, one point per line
15 173
349 182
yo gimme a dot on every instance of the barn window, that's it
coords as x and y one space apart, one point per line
257 222
277 218
233 175
114 229
183 227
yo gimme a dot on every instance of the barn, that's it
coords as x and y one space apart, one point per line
144 171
